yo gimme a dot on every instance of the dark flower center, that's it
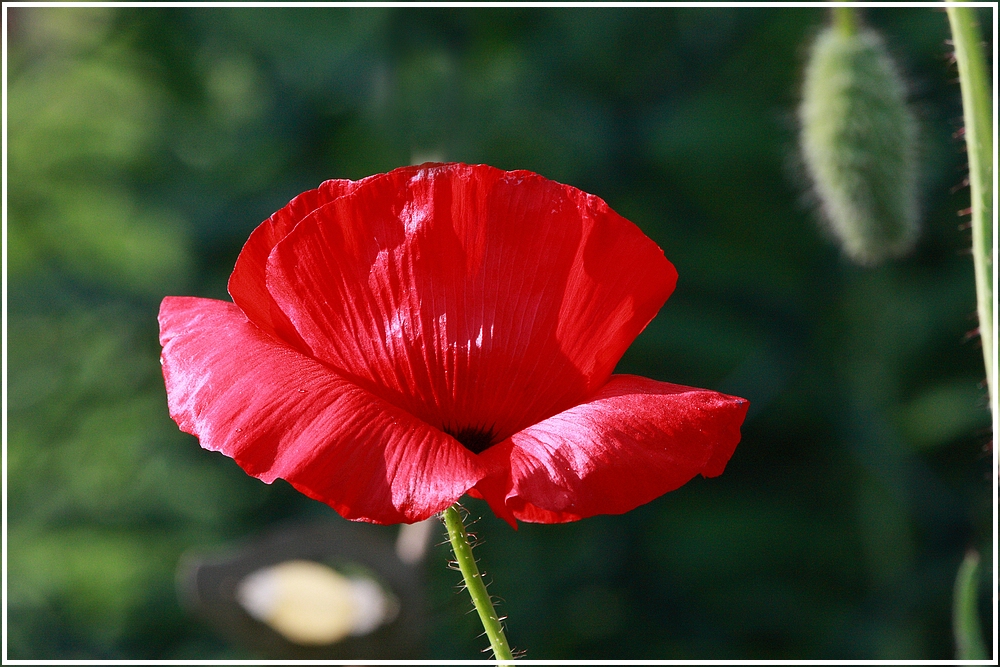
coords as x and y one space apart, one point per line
476 440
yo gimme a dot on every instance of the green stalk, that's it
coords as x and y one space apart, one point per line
474 582
846 20
977 107
965 616
977 103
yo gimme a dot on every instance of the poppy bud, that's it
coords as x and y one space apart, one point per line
858 141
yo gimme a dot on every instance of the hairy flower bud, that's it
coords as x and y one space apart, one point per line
858 140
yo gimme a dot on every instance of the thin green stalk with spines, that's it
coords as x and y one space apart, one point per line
977 107
474 583
977 104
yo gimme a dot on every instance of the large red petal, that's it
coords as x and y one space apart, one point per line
246 284
635 440
480 300
281 414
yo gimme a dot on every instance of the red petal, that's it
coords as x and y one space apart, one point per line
633 441
493 487
246 284
476 299
281 414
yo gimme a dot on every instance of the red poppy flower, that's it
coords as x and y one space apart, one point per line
399 341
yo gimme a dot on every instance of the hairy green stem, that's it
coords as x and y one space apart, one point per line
977 104
474 582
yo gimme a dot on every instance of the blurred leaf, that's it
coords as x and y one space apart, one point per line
945 412
75 114
76 125
104 235
98 579
61 31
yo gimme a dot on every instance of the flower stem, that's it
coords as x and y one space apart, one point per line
965 615
846 20
474 582
977 108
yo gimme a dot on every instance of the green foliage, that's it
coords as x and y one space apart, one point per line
858 141
145 145
79 123
943 412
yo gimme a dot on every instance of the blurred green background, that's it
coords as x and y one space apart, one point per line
146 144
